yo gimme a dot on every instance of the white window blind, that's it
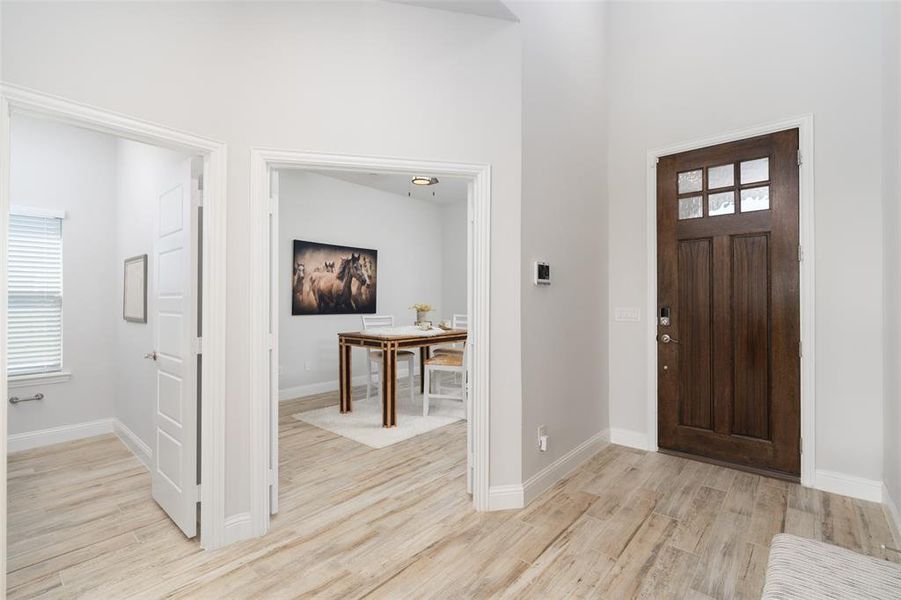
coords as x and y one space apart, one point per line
35 294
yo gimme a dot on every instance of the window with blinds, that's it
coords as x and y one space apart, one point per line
35 295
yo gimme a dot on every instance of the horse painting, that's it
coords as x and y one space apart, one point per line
329 279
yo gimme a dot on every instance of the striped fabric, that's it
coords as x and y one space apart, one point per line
802 569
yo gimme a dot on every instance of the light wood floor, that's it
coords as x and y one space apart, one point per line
397 523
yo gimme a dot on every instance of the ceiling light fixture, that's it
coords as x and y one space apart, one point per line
421 180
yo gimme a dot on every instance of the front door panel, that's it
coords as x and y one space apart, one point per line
728 279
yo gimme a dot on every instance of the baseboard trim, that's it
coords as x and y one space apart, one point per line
893 516
137 446
57 435
547 477
627 437
506 497
310 389
236 528
848 485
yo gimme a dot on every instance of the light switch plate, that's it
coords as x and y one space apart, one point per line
627 314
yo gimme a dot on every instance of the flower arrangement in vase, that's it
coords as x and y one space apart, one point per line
422 311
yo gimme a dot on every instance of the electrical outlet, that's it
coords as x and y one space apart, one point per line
542 438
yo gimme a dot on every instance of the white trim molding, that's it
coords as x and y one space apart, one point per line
57 435
138 447
561 468
15 99
804 124
628 437
893 516
515 496
21 381
238 527
848 485
299 391
264 334
506 497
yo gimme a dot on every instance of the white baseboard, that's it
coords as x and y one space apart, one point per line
515 496
237 527
322 387
506 497
848 485
627 437
137 446
546 478
892 514
56 435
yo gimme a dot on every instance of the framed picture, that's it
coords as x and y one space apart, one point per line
333 280
134 302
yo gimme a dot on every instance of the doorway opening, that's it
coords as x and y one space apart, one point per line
753 293
349 245
105 296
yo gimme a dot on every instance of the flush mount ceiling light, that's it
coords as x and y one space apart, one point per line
420 180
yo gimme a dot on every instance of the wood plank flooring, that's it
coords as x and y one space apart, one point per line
397 523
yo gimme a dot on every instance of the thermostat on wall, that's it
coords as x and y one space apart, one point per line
542 273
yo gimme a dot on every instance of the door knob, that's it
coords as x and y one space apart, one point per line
152 355
667 339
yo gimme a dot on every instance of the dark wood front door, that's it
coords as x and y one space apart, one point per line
728 367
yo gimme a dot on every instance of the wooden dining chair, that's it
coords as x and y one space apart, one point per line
375 356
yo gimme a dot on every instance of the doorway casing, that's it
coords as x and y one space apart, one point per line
264 290
804 124
18 100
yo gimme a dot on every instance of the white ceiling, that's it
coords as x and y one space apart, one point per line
446 191
494 9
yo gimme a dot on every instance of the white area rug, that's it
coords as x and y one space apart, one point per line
364 423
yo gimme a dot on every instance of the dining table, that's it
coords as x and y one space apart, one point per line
389 340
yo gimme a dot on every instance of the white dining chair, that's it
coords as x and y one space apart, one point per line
454 363
458 322
375 356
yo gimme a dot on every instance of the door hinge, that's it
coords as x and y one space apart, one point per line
799 157
197 345
800 253
272 204
801 445
270 341
271 477
800 349
197 493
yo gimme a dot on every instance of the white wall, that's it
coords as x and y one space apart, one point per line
454 230
64 168
564 222
682 71
141 174
891 198
408 236
324 76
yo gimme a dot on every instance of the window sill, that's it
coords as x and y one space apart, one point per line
19 381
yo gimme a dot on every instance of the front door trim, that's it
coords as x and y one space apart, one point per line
804 124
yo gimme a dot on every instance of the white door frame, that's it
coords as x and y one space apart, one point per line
804 124
15 99
264 292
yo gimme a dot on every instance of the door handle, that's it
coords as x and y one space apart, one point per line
667 339
152 355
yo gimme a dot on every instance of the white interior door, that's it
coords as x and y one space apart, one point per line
174 313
